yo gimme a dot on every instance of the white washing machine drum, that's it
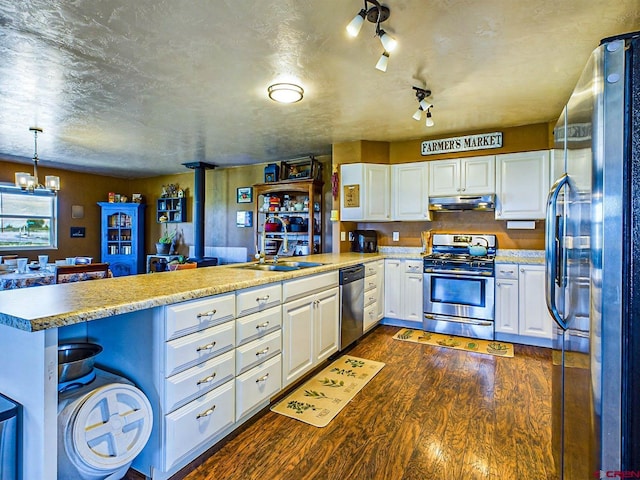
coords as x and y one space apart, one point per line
100 433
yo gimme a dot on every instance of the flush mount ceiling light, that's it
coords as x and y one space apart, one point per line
30 182
285 92
375 14
423 105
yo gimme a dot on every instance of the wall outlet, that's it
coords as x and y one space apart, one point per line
396 236
351 236
343 236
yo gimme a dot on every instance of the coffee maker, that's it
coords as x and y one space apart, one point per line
365 241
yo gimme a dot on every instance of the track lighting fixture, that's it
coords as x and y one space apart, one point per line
30 182
423 106
375 14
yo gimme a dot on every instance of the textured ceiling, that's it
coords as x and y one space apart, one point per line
135 88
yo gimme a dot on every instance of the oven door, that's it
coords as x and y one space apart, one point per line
459 304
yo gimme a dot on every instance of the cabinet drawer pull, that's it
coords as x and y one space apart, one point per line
507 271
371 284
208 346
371 299
206 413
263 299
208 379
262 378
262 352
262 325
210 313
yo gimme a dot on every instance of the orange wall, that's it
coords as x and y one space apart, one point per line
220 206
76 189
515 139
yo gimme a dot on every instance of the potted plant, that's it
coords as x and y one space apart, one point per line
163 246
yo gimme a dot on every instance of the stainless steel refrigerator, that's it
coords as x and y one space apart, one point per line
593 276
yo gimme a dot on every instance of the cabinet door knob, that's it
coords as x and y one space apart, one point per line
522 270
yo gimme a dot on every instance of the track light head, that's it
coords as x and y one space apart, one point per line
429 121
418 115
353 29
388 42
383 62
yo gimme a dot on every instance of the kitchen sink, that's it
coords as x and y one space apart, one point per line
299 264
282 266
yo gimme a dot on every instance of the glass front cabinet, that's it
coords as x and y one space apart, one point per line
122 237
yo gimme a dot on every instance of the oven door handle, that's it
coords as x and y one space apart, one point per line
483 323
458 273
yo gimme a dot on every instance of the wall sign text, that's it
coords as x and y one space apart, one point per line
462 144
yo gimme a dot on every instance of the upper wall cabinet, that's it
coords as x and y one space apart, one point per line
364 192
409 194
462 176
522 185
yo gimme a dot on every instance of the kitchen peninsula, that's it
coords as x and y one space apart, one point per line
34 321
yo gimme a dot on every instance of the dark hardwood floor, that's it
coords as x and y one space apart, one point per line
431 413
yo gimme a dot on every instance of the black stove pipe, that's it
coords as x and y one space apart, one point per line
199 169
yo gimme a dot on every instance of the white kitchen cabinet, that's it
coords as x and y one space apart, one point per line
372 182
462 176
534 317
403 290
522 185
409 191
506 297
310 323
521 314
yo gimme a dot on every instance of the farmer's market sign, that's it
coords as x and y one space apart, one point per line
462 144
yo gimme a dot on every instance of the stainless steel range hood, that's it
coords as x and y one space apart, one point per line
464 202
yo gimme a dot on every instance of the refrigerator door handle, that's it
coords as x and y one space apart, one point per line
551 254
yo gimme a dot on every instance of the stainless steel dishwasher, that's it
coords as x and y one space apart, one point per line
351 304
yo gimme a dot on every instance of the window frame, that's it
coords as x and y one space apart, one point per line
53 218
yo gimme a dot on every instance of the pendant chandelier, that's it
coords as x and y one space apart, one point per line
30 183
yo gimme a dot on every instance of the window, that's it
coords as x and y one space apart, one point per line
27 220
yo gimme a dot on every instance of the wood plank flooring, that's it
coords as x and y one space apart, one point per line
430 413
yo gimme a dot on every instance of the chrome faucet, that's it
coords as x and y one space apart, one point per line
285 246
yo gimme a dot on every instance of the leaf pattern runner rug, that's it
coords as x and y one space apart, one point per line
491 347
320 399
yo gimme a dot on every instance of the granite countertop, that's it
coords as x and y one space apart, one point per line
39 308
531 257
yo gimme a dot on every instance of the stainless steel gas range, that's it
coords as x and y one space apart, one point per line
459 288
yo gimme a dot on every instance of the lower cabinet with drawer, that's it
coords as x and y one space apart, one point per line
373 294
197 422
403 292
311 323
521 312
258 347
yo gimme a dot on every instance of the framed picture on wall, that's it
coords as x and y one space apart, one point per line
244 194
